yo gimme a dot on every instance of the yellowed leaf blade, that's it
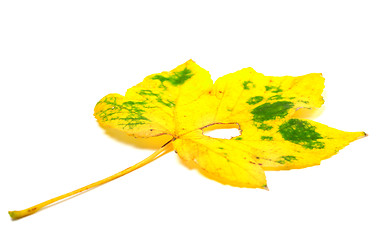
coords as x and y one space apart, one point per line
184 101
295 143
218 160
149 108
250 96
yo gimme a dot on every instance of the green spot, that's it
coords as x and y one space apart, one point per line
167 103
286 159
132 112
145 92
265 127
132 103
221 148
177 78
266 138
273 89
271 111
247 84
301 132
275 97
238 138
254 100
289 158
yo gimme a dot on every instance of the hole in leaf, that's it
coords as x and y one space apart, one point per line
222 130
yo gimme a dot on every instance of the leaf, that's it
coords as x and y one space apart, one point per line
184 101
219 160
152 107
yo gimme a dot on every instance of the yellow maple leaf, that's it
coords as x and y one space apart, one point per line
183 102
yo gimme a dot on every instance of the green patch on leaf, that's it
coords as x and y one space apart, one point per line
266 138
285 159
176 79
254 100
301 132
145 92
265 127
132 112
167 103
247 85
238 138
289 158
159 99
271 111
273 89
275 97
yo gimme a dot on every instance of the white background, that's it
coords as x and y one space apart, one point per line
58 58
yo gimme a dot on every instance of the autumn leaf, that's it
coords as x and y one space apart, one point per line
182 103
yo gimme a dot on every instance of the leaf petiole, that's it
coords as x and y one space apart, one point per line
26 212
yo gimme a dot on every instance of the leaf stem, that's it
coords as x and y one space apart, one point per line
26 212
